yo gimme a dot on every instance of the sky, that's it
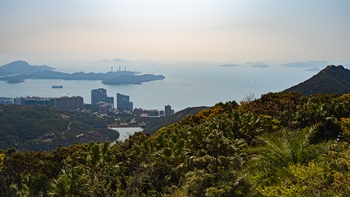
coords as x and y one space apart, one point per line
49 31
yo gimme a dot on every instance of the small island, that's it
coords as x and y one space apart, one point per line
13 81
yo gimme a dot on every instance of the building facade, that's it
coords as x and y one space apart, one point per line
31 101
100 95
168 111
124 103
70 103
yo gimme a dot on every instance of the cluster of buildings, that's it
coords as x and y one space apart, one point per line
100 95
10 101
153 113
67 103
99 99
105 103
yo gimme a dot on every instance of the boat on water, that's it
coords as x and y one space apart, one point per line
57 86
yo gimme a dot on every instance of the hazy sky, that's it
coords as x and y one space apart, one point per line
46 31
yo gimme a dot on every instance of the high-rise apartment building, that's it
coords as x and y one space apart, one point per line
124 103
168 111
100 95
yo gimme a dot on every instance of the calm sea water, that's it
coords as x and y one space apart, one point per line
124 133
185 85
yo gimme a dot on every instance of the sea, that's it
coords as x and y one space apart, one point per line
185 84
124 133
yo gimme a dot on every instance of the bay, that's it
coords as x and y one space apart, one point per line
185 85
125 132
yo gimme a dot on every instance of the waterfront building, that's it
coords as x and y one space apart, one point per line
168 111
110 100
70 103
153 112
6 101
124 103
161 113
18 100
31 101
100 95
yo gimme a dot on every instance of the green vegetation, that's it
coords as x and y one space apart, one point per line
154 125
45 128
283 144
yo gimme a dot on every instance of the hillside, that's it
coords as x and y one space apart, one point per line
282 144
154 125
5 72
44 128
22 67
331 80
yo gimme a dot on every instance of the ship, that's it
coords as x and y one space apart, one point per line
57 86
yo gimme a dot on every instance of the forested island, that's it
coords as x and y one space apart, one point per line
18 71
282 144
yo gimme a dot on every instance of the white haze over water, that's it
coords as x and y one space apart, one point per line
185 85
64 34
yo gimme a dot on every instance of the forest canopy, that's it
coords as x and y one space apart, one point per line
45 128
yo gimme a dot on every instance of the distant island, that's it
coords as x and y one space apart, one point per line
229 65
15 81
15 74
21 67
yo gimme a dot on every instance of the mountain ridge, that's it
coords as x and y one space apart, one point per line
331 80
22 67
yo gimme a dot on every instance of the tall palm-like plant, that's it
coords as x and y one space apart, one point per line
278 150
216 157
170 159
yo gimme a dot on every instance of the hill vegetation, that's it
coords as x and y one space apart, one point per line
44 128
331 80
283 144
154 125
